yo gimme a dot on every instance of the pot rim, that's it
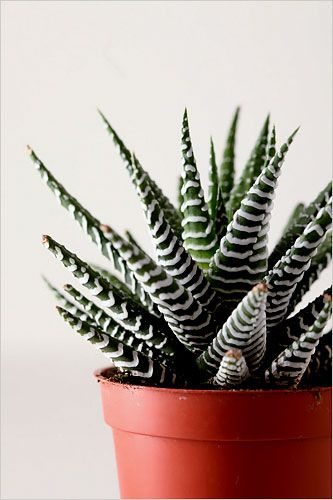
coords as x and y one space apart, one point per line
104 380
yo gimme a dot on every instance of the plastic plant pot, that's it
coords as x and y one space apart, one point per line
184 443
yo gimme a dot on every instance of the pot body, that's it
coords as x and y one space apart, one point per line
183 443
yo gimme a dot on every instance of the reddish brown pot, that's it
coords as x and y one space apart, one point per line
179 443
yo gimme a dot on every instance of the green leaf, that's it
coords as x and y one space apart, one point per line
245 329
319 370
216 205
125 312
179 194
283 278
171 213
198 234
271 150
233 370
122 356
221 222
287 369
90 225
241 260
297 224
163 353
190 322
171 254
64 301
292 328
141 297
227 168
132 240
213 183
318 263
298 210
252 169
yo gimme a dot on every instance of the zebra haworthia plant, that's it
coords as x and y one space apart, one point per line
214 308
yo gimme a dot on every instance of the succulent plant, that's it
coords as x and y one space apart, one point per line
212 308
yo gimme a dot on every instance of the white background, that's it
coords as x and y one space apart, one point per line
141 63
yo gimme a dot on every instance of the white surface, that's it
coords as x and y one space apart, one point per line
141 63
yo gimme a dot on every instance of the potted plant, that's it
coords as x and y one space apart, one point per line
216 389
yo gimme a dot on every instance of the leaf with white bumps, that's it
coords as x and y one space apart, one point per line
288 368
171 254
251 170
198 228
171 213
232 371
127 313
283 278
245 329
299 220
241 260
227 167
122 356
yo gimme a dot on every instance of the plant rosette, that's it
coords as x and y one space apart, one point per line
218 388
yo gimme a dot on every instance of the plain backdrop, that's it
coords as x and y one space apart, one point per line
141 63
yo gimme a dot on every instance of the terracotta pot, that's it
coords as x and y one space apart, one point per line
179 443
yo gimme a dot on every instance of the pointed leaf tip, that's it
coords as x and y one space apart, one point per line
45 239
261 287
101 114
29 150
327 297
105 228
234 353
295 132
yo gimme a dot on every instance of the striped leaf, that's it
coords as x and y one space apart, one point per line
129 236
221 222
251 171
227 167
216 205
319 370
213 183
65 302
298 210
152 308
241 260
297 225
117 283
189 321
127 313
292 328
141 297
122 356
163 353
245 329
287 369
198 228
170 212
233 370
90 225
271 149
318 263
195 313
171 254
283 278
179 194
